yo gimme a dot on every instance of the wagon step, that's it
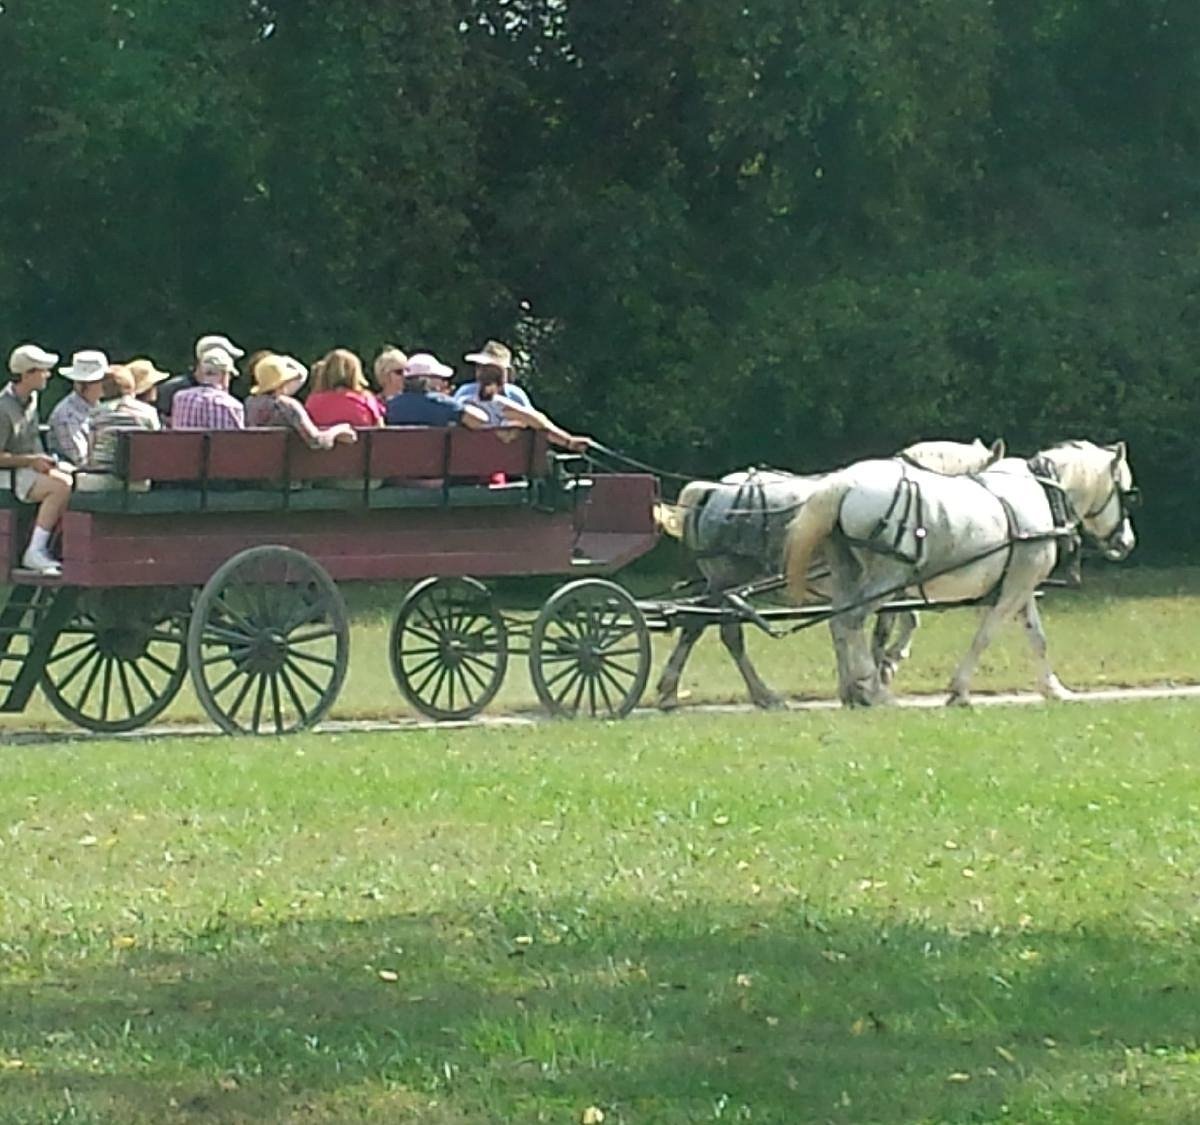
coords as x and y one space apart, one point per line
29 624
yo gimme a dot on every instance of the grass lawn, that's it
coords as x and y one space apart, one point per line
1125 626
832 917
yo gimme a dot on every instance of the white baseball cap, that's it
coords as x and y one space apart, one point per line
219 361
425 364
29 357
86 367
207 343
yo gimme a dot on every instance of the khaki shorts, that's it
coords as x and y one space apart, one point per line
18 481
106 482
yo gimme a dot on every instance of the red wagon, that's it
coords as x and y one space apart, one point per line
226 569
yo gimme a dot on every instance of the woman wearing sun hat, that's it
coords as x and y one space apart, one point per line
272 402
146 379
118 409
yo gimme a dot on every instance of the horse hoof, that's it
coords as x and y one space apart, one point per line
671 703
958 699
771 702
887 672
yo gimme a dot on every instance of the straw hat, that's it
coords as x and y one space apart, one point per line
272 371
492 354
145 375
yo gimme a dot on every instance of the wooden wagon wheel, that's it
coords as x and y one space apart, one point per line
269 643
449 648
119 661
590 651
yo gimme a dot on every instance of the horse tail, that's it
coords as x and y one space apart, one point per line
812 526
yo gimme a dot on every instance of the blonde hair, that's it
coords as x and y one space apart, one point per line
390 359
340 369
118 381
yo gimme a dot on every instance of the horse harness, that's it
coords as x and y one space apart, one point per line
907 508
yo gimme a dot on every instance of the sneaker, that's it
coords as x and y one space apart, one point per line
41 561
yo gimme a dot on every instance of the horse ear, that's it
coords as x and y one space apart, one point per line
1120 450
999 449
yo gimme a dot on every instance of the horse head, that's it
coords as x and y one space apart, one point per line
1099 483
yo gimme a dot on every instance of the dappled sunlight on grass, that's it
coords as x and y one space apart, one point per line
844 917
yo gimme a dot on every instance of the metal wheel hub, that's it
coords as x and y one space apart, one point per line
123 644
268 653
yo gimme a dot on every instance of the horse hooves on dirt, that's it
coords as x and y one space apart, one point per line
958 699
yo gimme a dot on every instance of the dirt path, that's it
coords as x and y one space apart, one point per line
999 699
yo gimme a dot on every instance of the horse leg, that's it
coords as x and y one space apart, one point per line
668 683
1049 684
887 653
733 637
960 682
860 683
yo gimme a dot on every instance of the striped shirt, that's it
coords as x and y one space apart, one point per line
111 417
69 429
205 407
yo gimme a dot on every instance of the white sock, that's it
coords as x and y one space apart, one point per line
40 539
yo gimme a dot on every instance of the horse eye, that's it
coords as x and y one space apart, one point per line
1132 497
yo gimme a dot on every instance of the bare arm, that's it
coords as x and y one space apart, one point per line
472 417
536 420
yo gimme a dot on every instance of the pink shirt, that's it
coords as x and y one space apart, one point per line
356 408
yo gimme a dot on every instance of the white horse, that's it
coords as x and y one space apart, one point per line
736 529
884 528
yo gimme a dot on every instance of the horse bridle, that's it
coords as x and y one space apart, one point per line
1128 499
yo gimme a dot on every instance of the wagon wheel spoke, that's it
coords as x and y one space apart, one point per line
448 648
590 648
268 642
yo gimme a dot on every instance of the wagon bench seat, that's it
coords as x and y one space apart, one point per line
268 470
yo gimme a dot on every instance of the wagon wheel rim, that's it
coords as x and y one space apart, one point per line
269 643
111 671
590 651
449 648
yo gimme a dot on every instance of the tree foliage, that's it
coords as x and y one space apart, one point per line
786 231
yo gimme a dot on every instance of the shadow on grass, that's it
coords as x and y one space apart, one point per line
675 1014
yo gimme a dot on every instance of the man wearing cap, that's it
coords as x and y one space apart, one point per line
424 401
494 358
25 467
421 404
176 383
209 405
69 420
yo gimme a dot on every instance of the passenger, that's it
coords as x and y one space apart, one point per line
494 358
209 405
177 383
69 419
424 402
119 409
272 402
146 380
340 393
502 411
25 467
422 405
389 372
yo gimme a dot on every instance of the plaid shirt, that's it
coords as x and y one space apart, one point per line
69 429
205 407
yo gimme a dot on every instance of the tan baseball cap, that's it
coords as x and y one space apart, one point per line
29 357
